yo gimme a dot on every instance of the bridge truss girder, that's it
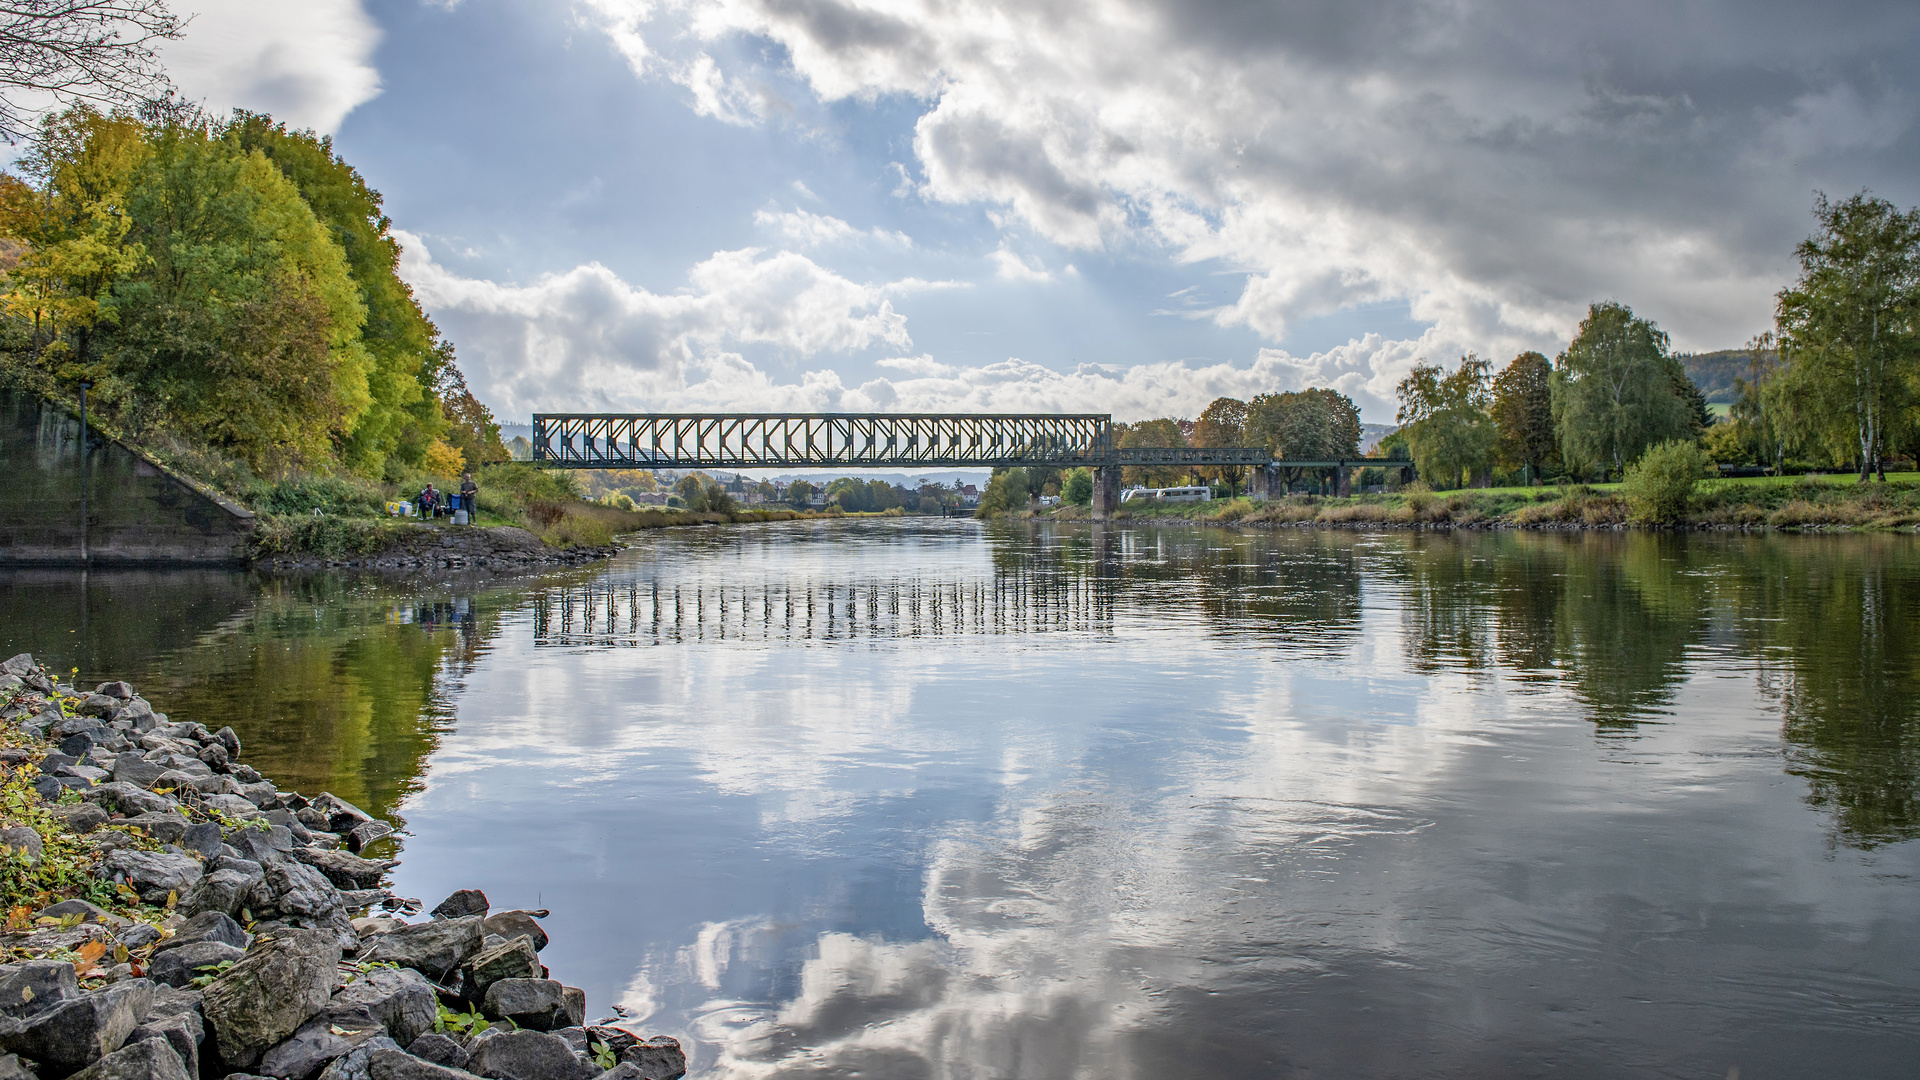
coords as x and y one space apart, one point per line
805 440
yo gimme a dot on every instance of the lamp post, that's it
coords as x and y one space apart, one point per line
85 385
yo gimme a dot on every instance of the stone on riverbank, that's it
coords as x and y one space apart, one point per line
525 1055
265 997
433 949
149 1059
229 848
81 1030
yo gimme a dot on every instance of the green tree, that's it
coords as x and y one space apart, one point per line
692 489
242 328
74 232
1006 493
1318 424
1445 419
1078 489
1615 390
1523 411
404 412
1849 329
799 492
1223 423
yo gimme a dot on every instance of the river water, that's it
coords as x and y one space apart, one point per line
914 798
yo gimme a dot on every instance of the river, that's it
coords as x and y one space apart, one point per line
917 798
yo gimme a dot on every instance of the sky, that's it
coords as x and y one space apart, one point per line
1125 206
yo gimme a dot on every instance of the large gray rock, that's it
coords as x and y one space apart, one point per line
299 889
178 967
341 814
165 827
658 1058
223 891
431 948
12 1069
362 836
131 768
539 1004
203 838
35 986
462 903
344 870
82 819
398 1065
513 960
154 874
328 1035
400 999
79 1031
208 926
183 1031
89 913
264 998
356 1064
513 924
23 839
120 797
439 1049
526 1055
148 1059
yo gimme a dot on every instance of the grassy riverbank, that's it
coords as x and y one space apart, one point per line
1807 502
353 519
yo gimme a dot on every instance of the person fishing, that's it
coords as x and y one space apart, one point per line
469 493
428 500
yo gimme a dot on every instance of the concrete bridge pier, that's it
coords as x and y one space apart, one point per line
1106 491
1259 482
1345 488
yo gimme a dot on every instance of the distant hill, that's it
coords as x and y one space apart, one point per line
1714 372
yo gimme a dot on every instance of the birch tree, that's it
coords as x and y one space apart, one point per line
1847 330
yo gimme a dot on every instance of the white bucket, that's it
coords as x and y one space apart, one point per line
459 517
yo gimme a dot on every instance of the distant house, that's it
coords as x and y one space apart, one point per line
969 495
650 498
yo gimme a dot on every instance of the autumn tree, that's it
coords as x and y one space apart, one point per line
1319 424
1522 408
1616 390
1164 432
1446 420
1849 330
1223 423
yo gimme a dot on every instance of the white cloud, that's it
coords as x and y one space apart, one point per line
810 230
307 63
1496 164
586 337
1012 267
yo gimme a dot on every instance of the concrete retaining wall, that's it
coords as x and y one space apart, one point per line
137 511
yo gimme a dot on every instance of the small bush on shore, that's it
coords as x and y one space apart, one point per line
1659 487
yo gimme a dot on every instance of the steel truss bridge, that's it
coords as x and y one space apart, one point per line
869 440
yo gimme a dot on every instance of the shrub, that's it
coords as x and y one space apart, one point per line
1659 486
332 495
1419 497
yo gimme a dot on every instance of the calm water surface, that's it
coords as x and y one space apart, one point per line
921 799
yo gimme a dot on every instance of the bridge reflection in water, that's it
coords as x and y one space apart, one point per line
641 612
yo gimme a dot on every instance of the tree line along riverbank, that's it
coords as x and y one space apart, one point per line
1760 503
170 913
